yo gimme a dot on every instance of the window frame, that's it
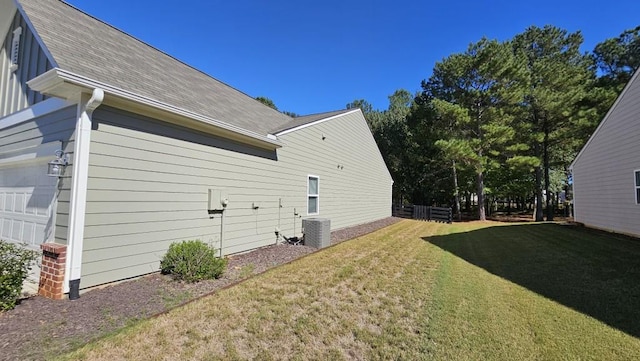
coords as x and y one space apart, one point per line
316 195
636 186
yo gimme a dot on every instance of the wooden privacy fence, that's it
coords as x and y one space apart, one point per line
423 213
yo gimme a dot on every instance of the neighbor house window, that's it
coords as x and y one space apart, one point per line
313 195
637 176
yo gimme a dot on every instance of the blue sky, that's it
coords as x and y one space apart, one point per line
316 56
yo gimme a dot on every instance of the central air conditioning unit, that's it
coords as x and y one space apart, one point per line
317 232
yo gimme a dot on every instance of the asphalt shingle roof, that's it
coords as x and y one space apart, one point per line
84 45
296 122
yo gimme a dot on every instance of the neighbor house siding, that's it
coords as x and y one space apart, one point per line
149 182
355 185
604 171
14 92
54 127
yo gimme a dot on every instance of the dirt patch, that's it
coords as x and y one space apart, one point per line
39 328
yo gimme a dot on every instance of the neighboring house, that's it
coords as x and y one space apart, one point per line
154 148
606 172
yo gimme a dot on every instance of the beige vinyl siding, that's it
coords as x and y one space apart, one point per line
604 183
15 95
52 127
355 185
148 186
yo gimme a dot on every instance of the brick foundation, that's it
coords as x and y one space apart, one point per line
54 257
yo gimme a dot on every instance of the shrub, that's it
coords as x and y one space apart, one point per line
15 263
192 261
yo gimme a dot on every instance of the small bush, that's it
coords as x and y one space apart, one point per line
15 263
192 261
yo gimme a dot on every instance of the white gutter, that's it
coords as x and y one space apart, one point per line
56 77
79 180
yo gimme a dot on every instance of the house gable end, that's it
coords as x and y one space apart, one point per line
22 58
364 137
610 113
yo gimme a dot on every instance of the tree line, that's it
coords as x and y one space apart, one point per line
502 120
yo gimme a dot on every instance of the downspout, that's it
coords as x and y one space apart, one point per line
78 200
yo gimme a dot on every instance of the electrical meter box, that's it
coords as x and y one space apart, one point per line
218 199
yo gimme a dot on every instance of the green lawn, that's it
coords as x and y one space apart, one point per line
415 290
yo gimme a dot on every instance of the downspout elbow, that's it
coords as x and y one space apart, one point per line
97 97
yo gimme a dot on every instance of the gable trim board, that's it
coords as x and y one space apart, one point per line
141 168
603 170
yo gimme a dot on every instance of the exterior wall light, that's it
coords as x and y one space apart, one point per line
57 166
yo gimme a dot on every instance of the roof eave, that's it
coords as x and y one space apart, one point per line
67 85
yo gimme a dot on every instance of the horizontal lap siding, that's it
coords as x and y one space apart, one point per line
148 187
603 175
357 192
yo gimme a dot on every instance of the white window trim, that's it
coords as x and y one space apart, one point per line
635 188
317 195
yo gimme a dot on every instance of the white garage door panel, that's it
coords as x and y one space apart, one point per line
27 198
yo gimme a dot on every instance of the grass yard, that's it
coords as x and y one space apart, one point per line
415 290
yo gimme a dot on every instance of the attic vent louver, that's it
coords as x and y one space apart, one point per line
15 48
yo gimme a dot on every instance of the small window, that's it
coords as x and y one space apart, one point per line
637 176
313 195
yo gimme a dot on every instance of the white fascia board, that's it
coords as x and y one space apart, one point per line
314 123
55 77
44 48
606 117
37 110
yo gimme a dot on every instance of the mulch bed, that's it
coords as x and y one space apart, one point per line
40 328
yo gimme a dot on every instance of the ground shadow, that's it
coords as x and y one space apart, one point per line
595 273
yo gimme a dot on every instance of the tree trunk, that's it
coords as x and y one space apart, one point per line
537 211
481 212
456 191
467 202
547 181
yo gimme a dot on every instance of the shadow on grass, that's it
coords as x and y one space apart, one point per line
595 273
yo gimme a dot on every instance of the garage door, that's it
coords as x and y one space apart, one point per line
27 200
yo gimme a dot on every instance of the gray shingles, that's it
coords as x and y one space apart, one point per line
89 47
296 122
